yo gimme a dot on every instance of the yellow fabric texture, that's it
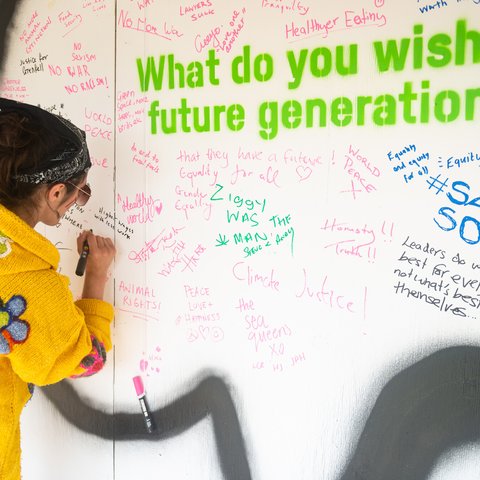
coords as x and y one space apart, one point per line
59 329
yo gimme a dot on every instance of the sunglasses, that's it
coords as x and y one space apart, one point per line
84 194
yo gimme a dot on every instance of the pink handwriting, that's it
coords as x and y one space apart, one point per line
130 110
141 297
350 19
350 248
214 334
146 208
146 158
204 171
161 240
189 201
244 273
101 120
353 171
87 86
269 175
329 296
99 162
151 362
333 226
364 19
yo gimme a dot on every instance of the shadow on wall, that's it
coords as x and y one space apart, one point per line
423 412
210 398
7 9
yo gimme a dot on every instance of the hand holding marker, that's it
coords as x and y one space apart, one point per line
82 261
147 416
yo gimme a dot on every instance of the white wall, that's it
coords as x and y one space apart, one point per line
305 323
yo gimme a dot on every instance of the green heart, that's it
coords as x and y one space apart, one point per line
4 319
3 248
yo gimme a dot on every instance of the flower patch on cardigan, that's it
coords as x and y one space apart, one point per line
12 328
5 245
95 360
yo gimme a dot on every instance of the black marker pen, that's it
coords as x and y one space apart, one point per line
82 261
147 416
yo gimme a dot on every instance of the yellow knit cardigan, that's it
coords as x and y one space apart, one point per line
44 335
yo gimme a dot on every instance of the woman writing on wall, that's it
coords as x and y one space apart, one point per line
44 335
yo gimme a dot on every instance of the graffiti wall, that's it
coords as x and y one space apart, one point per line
293 191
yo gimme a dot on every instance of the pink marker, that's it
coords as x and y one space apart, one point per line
147 416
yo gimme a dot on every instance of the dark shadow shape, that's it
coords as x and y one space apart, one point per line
7 12
210 398
424 411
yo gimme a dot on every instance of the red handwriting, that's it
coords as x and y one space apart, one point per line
70 21
222 39
210 39
286 6
140 24
197 10
94 5
13 88
144 3
34 31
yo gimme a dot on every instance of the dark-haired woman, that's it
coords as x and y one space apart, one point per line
44 335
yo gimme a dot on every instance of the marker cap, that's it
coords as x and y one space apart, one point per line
138 383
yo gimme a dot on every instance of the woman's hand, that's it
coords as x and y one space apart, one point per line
100 257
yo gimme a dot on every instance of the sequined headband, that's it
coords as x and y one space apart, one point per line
73 158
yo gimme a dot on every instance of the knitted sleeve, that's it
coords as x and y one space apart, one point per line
62 338
98 315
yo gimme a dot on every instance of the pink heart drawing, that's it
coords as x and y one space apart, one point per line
303 172
204 331
143 365
158 208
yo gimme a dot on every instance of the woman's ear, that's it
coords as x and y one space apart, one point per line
56 193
